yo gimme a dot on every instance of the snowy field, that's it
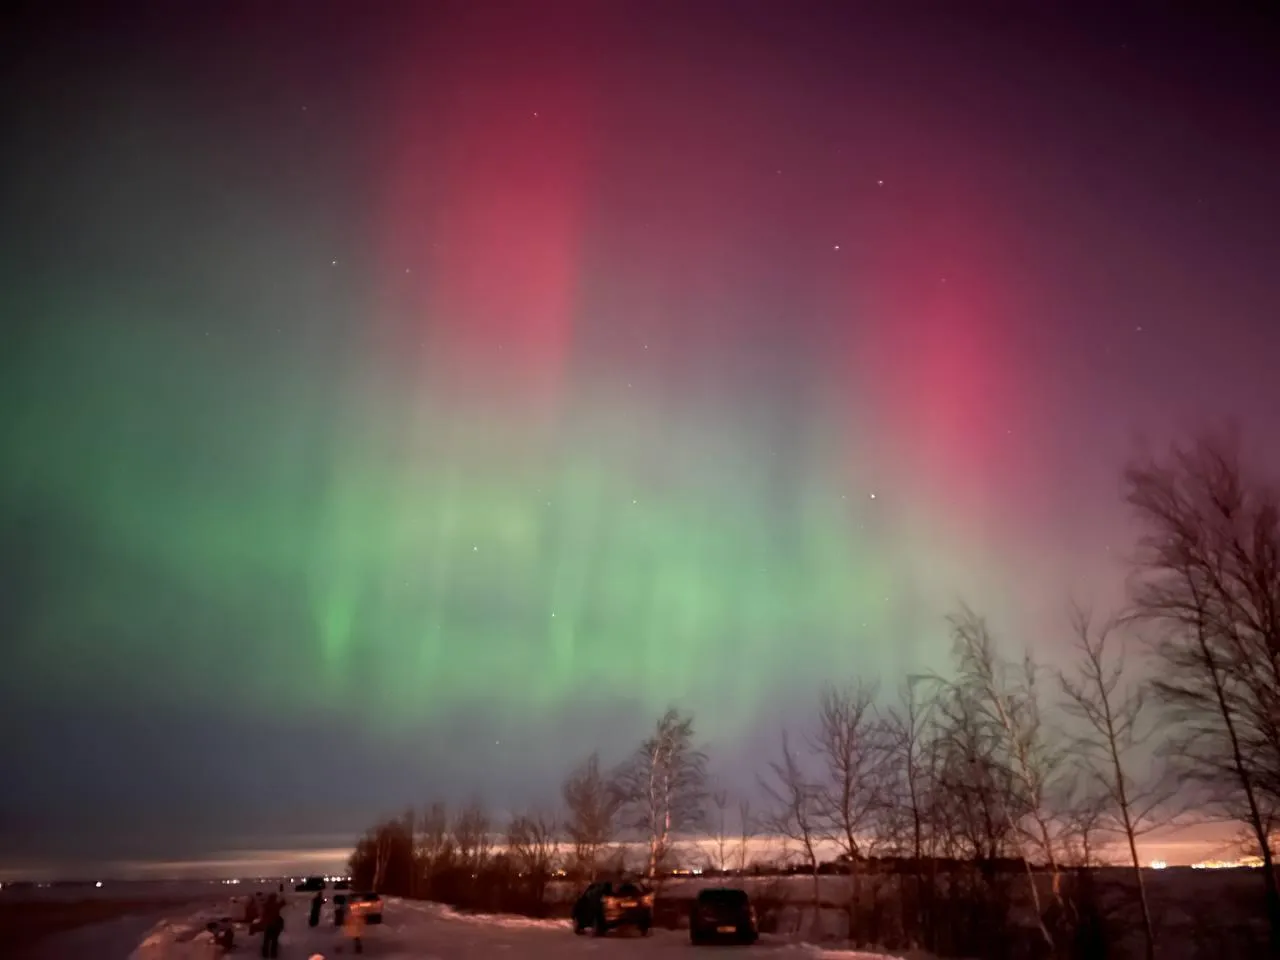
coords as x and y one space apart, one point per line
428 931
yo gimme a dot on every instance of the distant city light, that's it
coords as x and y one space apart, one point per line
1158 864
98 884
1252 862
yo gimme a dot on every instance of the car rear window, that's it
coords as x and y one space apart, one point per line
729 898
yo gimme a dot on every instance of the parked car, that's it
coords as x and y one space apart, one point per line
720 914
310 885
607 906
367 905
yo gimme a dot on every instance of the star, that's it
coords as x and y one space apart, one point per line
333 263
880 183
837 246
873 496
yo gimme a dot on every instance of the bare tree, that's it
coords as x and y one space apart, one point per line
1112 718
795 813
746 830
383 837
904 735
910 774
1085 818
849 744
973 803
662 787
718 836
1008 704
533 843
1207 578
434 842
592 810
471 837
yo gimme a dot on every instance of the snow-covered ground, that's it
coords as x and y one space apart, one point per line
428 931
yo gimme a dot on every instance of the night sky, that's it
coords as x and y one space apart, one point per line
402 401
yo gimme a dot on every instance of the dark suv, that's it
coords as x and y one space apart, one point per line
606 906
722 913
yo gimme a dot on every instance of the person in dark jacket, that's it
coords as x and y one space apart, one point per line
272 924
316 902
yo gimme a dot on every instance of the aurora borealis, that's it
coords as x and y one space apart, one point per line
410 402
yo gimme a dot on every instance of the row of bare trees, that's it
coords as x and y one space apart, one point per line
657 796
989 785
1004 760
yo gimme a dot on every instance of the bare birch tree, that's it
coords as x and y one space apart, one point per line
591 806
383 837
662 788
1112 717
1207 580
1008 703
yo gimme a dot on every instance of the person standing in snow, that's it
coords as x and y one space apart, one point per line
316 902
272 924
354 929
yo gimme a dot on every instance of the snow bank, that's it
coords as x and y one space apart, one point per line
505 921
186 939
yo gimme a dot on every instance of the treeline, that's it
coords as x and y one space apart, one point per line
1000 763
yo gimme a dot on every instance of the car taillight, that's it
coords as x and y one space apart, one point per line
647 899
